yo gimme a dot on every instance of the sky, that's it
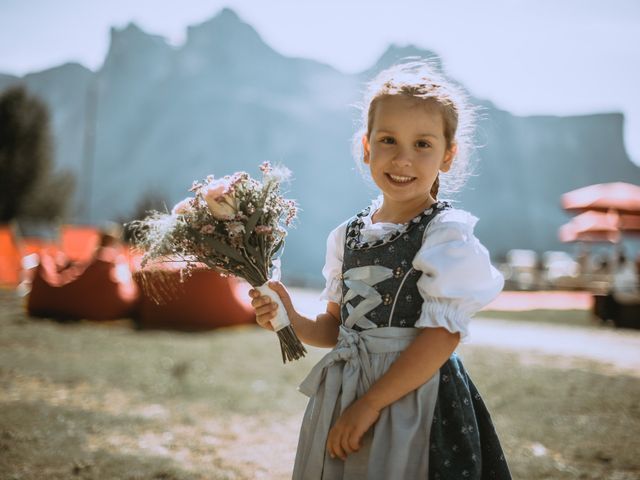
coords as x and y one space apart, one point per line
530 57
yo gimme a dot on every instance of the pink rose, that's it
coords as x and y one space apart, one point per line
220 199
183 207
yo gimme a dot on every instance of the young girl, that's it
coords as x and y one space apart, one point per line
391 400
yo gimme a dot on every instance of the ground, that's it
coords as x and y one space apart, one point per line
92 400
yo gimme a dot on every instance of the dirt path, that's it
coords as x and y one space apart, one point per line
617 349
620 349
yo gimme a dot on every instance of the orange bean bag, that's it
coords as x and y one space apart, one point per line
102 289
29 245
10 258
204 301
79 242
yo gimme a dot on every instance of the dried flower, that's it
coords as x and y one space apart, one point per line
235 228
279 174
265 168
183 207
220 199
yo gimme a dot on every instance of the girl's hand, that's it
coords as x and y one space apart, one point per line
266 308
345 436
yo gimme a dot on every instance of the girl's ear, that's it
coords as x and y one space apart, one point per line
449 155
366 149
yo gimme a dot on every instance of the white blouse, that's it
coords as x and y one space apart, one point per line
457 276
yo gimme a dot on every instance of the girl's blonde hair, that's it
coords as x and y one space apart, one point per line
421 80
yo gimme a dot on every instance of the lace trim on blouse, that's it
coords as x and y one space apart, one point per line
353 235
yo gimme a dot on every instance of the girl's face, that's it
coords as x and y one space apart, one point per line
406 149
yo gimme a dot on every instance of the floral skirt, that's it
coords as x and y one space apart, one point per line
440 431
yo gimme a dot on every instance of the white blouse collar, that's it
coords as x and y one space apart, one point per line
374 231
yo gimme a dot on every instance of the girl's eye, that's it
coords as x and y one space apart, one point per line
422 144
387 140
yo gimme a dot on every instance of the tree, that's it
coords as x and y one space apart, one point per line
28 188
49 198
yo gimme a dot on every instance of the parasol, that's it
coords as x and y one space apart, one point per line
591 226
619 196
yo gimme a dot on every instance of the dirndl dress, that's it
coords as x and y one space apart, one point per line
439 431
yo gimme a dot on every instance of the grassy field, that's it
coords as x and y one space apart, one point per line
103 401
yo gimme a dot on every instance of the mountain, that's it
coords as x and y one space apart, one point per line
396 53
154 117
7 80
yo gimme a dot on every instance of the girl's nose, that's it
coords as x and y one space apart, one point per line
402 158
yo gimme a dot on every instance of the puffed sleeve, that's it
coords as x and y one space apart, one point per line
333 264
457 276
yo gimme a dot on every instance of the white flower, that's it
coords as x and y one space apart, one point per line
183 207
280 174
220 199
235 228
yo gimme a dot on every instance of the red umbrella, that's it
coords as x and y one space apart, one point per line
591 226
629 223
619 196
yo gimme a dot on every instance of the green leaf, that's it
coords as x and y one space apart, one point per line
253 221
224 249
251 225
251 249
277 247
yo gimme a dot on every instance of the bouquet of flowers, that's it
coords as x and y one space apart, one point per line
234 225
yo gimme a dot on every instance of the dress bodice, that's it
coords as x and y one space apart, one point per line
379 283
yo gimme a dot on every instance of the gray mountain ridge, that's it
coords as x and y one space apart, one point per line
226 101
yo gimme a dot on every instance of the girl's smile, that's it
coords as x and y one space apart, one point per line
405 151
400 179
